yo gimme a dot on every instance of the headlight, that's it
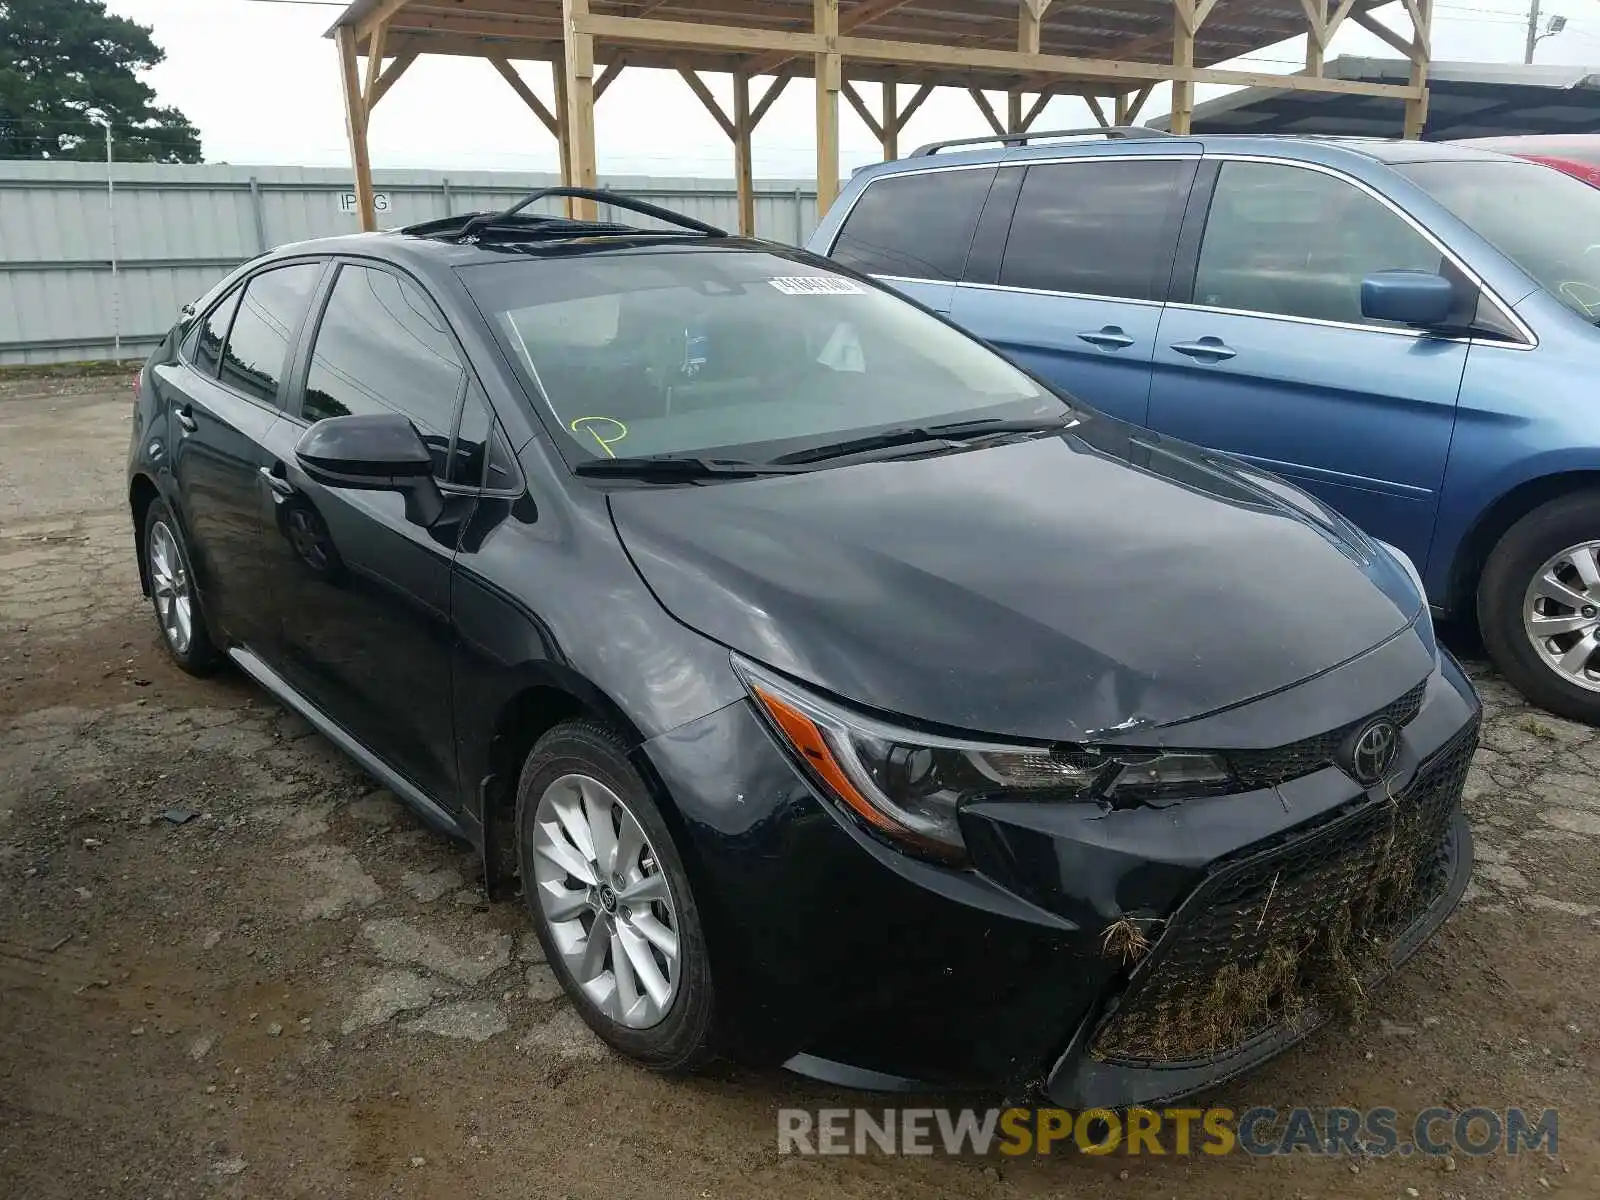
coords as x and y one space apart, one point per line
909 786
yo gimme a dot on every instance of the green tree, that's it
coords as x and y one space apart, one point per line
63 60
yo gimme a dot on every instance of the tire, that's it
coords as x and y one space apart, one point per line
173 597
579 771
1520 557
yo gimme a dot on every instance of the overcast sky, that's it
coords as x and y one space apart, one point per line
262 83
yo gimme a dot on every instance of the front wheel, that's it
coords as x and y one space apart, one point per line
610 899
1539 606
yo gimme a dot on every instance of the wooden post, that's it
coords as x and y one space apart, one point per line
1421 54
1182 60
1316 36
558 74
825 20
578 103
355 119
890 125
743 168
1030 15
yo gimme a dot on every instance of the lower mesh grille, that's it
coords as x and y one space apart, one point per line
1294 930
1263 768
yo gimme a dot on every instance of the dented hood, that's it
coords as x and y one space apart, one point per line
1096 582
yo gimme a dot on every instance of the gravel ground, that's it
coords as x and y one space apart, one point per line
231 965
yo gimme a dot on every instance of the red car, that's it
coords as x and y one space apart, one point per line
1578 154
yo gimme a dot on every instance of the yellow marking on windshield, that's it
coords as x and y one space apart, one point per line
582 425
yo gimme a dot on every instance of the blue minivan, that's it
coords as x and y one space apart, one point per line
1406 330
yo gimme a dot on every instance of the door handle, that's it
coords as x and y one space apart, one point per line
1109 338
276 480
1206 349
186 419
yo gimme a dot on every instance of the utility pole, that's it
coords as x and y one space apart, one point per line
1533 32
111 221
98 117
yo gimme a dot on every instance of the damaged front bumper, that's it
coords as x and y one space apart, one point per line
1275 943
867 967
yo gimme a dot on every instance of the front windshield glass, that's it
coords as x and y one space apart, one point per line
747 355
1544 220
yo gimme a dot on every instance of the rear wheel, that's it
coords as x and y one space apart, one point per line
1539 605
172 594
611 900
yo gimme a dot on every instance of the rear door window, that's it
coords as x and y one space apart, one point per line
1295 242
264 328
214 334
1098 227
916 226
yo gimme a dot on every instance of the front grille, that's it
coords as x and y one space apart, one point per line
1297 929
1265 768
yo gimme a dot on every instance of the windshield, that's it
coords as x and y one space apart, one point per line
750 354
1543 220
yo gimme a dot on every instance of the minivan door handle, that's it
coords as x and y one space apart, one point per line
186 419
1206 349
1109 338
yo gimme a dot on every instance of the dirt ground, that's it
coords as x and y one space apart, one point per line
299 992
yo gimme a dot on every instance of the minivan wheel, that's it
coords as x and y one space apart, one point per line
610 898
1539 606
172 594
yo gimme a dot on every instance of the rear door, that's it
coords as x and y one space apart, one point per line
1074 293
223 398
913 230
363 590
1269 357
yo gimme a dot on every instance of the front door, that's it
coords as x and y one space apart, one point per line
362 588
1274 361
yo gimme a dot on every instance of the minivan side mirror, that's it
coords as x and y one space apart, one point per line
1409 297
373 452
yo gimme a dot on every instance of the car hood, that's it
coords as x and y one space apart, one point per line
1089 584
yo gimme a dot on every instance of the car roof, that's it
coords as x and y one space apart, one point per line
1304 147
1579 147
423 252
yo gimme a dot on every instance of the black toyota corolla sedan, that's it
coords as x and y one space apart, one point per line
841 695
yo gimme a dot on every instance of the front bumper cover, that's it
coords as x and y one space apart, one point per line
834 948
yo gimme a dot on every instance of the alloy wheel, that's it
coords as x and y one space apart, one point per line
608 905
169 582
1561 614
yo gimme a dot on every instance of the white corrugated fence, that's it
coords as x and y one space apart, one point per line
82 273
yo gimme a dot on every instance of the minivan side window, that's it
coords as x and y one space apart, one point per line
382 347
268 319
1295 242
916 226
1097 227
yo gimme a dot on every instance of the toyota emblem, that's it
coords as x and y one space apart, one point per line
1372 751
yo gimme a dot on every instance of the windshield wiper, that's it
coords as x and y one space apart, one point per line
911 435
676 466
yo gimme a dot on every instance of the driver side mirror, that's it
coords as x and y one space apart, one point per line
1419 298
375 452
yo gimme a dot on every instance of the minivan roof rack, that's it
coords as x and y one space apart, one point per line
1129 132
513 220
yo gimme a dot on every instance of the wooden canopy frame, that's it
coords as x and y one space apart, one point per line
1030 50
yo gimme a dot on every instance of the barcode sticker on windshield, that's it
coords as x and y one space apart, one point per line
817 285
